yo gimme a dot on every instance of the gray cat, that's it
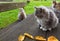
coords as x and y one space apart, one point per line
46 18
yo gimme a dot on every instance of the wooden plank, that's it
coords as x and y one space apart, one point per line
11 5
6 0
9 26
55 32
28 25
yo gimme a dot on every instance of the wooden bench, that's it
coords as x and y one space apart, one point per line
4 6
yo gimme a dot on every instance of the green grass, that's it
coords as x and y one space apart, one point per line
19 0
8 17
29 8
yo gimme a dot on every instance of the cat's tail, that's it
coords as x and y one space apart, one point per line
21 15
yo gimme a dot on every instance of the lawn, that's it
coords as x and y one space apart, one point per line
8 17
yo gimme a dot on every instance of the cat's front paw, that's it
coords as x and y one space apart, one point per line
41 27
49 29
44 29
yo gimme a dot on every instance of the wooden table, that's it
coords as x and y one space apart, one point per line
28 25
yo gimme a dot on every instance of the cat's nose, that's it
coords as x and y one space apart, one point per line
41 16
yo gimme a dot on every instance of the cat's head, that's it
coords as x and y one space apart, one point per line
56 5
42 12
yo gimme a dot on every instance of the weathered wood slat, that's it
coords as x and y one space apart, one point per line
6 0
11 5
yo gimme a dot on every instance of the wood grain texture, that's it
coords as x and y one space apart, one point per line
28 25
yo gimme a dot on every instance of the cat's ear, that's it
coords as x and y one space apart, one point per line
54 2
36 7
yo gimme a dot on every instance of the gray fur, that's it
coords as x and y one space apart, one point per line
46 18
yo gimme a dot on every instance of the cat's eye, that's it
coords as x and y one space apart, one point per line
40 10
37 12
